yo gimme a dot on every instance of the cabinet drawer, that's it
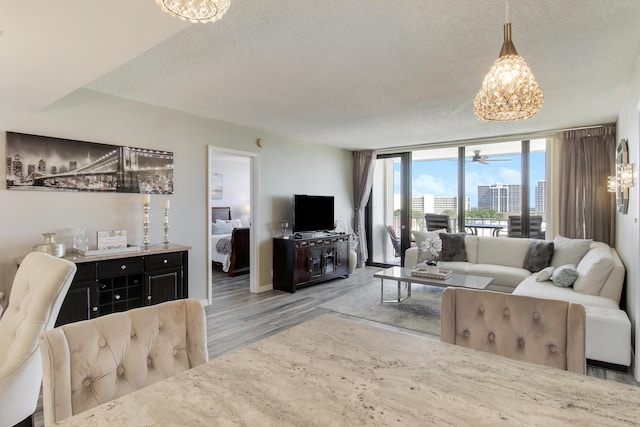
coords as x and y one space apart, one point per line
121 266
162 261
86 271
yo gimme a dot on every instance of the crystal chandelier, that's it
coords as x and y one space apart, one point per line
195 10
509 91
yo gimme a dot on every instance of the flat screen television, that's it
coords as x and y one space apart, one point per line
312 213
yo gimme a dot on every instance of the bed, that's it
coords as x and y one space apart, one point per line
229 249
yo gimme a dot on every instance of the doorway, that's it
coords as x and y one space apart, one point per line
232 181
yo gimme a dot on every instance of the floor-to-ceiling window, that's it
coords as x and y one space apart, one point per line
490 189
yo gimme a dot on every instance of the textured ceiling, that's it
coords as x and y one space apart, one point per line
353 73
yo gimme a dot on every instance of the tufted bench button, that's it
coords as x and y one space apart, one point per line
520 342
481 308
86 382
102 342
466 333
506 312
120 371
492 337
133 333
149 361
536 316
175 351
553 348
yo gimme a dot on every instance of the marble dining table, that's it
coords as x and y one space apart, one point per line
336 371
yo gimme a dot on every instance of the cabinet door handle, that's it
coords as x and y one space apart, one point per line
165 261
310 264
116 296
123 267
94 308
148 297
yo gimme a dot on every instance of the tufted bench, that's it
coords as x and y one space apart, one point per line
536 330
92 362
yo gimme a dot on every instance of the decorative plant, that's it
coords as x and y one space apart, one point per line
431 247
342 227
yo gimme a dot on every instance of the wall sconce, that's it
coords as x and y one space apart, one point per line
625 175
612 184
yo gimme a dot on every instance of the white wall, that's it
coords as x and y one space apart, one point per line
627 230
236 181
287 166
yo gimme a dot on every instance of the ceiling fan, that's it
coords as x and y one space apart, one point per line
484 159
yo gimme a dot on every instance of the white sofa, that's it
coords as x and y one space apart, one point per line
608 327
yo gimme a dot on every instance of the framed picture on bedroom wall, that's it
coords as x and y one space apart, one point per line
216 186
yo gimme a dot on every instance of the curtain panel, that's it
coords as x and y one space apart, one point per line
363 165
587 209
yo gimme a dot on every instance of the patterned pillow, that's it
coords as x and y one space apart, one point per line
564 276
453 247
538 256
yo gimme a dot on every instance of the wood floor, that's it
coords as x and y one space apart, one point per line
237 317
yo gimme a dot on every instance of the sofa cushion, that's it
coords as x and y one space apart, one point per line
547 290
544 274
453 247
564 276
593 270
502 251
459 267
568 251
502 275
538 256
471 244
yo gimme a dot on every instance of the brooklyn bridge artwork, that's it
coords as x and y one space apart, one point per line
45 163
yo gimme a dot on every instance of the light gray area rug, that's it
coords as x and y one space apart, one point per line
420 313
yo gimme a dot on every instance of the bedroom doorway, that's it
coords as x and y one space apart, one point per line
232 209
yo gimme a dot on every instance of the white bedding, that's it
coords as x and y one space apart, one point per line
224 259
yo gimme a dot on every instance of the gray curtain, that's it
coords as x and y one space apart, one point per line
587 210
363 165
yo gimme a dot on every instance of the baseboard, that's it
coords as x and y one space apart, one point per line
607 365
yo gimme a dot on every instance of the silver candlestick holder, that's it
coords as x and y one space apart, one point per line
145 224
165 226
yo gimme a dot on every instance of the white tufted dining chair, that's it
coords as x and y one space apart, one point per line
37 292
94 361
543 331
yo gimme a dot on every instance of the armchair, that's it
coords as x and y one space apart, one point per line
38 289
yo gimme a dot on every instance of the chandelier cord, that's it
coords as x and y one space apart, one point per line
506 11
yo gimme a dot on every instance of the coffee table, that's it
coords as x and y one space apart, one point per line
403 274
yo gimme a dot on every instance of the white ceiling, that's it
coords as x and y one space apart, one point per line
348 73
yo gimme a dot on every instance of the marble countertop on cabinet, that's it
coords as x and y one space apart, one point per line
144 250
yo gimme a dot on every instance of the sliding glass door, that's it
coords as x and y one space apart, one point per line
388 211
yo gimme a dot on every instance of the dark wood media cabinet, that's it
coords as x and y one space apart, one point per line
304 262
106 284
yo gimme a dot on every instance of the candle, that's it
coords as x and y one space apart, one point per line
146 199
166 204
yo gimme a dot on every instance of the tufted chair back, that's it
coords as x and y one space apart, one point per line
37 292
94 361
542 331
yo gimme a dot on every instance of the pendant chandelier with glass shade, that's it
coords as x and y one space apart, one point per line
509 91
195 10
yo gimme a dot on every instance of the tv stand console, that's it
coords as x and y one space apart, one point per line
308 261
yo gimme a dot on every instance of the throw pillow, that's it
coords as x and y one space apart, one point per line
538 256
453 247
221 228
234 222
569 251
564 276
593 271
544 274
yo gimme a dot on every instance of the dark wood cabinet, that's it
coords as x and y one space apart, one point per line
304 262
119 283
